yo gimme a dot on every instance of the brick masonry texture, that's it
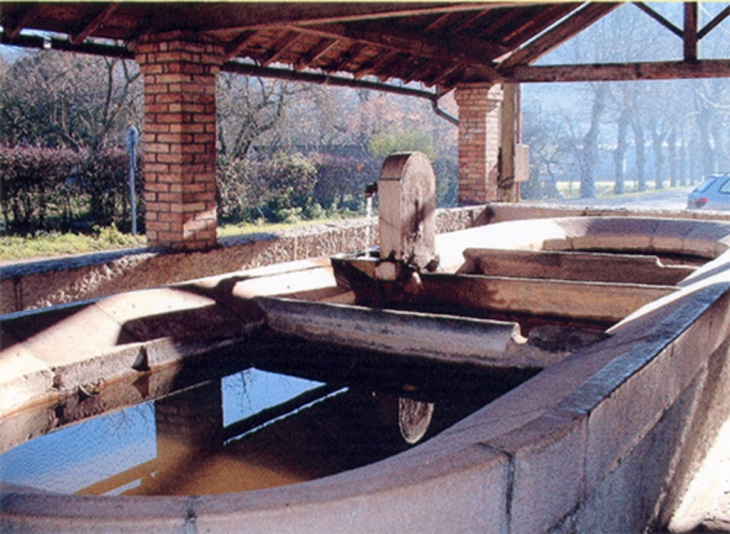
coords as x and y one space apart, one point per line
179 140
479 142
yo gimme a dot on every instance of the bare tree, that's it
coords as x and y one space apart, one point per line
55 99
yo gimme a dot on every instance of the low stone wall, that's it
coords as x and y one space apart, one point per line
37 284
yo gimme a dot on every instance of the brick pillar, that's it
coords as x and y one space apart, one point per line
479 142
180 139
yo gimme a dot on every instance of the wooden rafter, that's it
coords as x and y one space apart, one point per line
92 25
441 22
319 50
420 46
533 22
239 44
468 21
279 48
659 18
714 23
376 64
553 38
396 59
347 57
222 17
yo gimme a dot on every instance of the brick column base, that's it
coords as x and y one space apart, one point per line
180 139
479 142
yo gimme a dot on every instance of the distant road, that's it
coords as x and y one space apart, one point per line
667 199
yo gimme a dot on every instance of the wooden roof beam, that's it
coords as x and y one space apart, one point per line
281 46
237 46
92 25
263 15
441 22
418 45
714 23
375 64
13 27
659 18
556 36
613 72
348 56
319 50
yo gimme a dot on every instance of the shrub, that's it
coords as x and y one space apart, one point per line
43 189
386 142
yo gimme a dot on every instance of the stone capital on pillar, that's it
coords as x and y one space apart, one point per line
479 141
179 139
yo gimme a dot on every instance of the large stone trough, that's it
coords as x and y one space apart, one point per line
607 439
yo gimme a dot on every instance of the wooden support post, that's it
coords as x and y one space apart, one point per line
510 124
479 142
691 40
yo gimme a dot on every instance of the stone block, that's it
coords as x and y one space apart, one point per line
619 422
548 456
462 492
627 498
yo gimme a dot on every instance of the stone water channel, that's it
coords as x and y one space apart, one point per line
516 376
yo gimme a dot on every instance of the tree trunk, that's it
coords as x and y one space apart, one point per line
639 141
588 155
619 155
673 160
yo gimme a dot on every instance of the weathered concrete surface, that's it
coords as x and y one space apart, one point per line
594 267
595 301
484 343
608 439
407 206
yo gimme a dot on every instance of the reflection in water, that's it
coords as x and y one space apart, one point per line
251 430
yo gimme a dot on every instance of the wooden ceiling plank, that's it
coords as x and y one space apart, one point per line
466 49
445 74
440 23
375 64
469 21
347 57
553 38
456 49
94 24
239 44
610 72
319 50
281 46
714 23
233 16
532 24
689 36
388 68
659 18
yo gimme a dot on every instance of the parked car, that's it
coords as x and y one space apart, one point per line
712 194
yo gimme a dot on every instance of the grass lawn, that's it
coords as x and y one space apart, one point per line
13 248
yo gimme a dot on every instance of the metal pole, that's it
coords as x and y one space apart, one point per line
132 138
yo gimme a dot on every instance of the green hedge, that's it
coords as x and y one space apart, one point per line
43 189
